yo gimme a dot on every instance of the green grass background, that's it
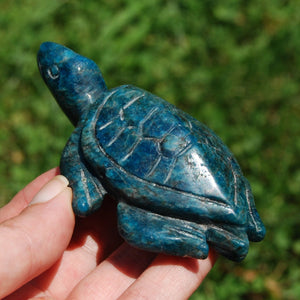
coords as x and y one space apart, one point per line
232 64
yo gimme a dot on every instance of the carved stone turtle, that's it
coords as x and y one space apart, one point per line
179 189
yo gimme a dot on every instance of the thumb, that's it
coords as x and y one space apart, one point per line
50 190
34 240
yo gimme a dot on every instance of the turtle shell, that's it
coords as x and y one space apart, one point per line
159 143
146 150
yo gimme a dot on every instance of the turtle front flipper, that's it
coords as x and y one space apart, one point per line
157 233
88 192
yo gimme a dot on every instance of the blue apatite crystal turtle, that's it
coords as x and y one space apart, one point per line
179 189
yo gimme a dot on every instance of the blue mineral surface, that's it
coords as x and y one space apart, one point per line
179 188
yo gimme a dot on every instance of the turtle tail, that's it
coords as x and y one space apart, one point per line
256 230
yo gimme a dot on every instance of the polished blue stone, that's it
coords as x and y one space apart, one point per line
179 188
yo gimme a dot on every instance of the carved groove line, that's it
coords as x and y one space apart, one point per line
235 185
152 170
139 133
87 194
131 150
116 137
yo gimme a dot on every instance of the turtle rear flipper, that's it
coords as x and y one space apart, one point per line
256 229
88 192
228 240
157 233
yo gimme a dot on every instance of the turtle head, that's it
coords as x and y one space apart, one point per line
74 80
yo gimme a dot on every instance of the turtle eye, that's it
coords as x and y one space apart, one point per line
53 72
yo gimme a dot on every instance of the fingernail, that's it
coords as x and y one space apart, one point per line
50 189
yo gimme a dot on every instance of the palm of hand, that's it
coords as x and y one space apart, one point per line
96 264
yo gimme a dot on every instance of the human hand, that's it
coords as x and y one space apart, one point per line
44 255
